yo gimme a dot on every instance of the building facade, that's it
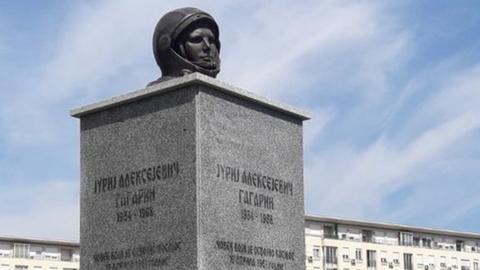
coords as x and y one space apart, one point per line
331 244
37 254
341 244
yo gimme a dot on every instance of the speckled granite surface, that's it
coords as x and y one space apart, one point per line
191 178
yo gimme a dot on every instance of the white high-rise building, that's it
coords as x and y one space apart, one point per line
343 244
37 254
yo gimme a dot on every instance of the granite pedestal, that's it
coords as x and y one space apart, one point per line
191 173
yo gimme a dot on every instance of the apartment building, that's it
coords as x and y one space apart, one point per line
331 244
342 244
38 254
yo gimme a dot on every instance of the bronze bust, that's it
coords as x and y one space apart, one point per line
186 40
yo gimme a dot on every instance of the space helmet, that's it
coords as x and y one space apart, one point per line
167 35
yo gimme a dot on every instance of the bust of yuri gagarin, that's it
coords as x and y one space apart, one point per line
186 40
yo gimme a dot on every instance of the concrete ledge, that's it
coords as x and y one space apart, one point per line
195 78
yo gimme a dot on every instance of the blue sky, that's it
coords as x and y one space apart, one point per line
393 87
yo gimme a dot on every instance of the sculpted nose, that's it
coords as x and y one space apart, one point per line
206 44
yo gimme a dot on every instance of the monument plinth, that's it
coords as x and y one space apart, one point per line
191 173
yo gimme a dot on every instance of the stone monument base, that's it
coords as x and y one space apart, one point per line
191 173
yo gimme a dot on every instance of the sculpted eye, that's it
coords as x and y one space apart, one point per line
196 40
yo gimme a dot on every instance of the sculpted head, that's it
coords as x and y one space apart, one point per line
186 40
198 44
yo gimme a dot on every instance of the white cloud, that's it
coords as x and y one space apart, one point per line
355 182
314 127
460 94
280 38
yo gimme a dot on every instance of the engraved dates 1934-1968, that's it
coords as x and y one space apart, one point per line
252 215
130 215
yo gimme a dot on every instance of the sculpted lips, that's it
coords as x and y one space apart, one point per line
207 58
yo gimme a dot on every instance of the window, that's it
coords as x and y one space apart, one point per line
345 254
431 262
358 254
396 258
66 255
407 261
21 251
329 231
383 257
460 245
465 265
330 254
475 266
419 260
454 263
75 257
21 267
367 236
316 252
371 258
443 262
405 238
427 242
36 252
416 241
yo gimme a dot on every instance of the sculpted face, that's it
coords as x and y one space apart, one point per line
185 41
200 48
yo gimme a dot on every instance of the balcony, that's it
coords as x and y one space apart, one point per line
40 256
330 236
